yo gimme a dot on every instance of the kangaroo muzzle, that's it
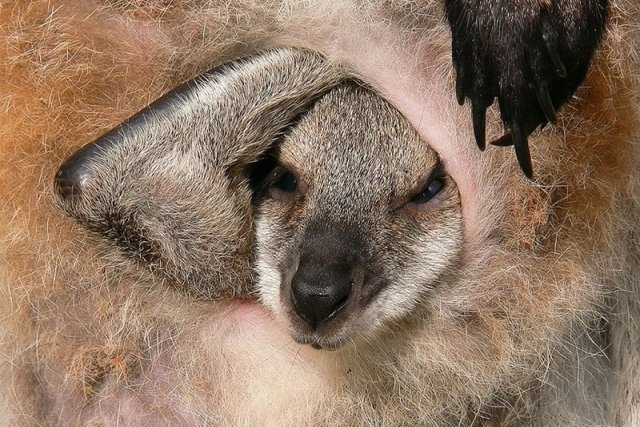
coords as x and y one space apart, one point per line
320 290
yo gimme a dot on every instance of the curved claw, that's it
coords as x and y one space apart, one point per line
504 141
557 63
459 86
546 104
522 150
479 124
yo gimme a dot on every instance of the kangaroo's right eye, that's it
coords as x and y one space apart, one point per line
286 181
283 184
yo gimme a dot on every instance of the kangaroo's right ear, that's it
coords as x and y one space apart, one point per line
166 185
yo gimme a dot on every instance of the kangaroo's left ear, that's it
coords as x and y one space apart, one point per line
167 186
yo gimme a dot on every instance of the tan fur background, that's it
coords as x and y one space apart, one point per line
73 313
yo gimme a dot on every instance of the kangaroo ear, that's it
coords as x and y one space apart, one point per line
167 187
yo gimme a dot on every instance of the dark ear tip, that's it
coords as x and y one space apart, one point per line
74 173
69 181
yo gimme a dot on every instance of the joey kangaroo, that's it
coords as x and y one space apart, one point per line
357 224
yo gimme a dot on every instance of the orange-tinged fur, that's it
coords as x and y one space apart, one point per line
73 313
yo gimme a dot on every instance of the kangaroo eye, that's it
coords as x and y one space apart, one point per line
285 181
429 191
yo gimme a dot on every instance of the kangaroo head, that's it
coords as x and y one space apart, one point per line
357 220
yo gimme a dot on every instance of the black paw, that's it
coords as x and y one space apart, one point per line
531 55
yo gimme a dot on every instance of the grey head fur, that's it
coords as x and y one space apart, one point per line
357 222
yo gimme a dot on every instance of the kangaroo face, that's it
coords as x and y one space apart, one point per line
356 224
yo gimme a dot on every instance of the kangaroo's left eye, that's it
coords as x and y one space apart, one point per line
432 188
286 181
283 185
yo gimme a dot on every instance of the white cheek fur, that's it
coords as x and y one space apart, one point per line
434 254
269 276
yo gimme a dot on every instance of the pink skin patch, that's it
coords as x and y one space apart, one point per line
248 311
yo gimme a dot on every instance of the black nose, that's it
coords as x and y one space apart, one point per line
318 292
